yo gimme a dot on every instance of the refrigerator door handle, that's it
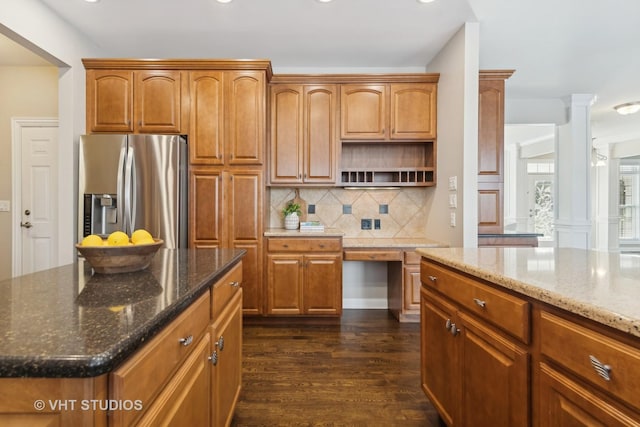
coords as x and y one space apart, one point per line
120 193
128 178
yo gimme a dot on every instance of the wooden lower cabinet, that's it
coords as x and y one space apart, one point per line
304 276
490 357
403 287
471 373
226 371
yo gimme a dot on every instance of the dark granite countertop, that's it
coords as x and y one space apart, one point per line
68 322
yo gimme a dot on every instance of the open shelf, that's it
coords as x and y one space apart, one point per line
392 164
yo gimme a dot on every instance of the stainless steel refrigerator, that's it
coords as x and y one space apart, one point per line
127 182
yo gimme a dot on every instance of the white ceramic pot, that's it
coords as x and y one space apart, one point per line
292 221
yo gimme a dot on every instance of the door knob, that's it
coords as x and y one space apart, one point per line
26 224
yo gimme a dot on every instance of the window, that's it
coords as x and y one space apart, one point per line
628 204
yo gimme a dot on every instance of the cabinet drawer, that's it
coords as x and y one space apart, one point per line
303 245
382 255
411 257
224 289
142 376
573 346
509 313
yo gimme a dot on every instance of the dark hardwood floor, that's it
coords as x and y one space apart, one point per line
364 371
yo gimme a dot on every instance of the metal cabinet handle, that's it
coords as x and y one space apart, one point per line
480 303
26 224
432 278
186 341
601 369
454 330
213 358
220 343
448 324
234 284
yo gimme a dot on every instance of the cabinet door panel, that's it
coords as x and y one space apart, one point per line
226 374
205 210
109 100
286 133
412 287
252 269
413 108
322 291
245 201
439 357
495 375
206 117
245 117
363 111
566 403
320 146
284 284
157 101
491 130
185 399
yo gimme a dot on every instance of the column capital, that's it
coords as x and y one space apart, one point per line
580 99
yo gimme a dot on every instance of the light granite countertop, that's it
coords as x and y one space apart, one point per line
281 232
372 242
601 286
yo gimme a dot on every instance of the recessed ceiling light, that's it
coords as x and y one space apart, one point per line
224 1
92 1
425 1
324 1
628 108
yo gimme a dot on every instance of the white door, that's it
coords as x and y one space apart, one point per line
38 199
541 204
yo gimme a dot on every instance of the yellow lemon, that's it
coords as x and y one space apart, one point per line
145 241
92 240
139 235
118 238
116 308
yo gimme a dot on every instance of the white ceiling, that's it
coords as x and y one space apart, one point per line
557 47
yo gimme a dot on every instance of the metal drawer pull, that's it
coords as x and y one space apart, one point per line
186 341
479 302
448 324
601 369
432 278
454 330
234 284
214 358
220 343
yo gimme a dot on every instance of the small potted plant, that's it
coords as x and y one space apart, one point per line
291 214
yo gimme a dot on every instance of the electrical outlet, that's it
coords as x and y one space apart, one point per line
376 224
453 219
365 224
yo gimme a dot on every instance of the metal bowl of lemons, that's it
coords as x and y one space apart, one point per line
119 253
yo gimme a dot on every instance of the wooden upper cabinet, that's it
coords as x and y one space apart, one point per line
363 110
134 101
245 106
389 112
286 144
303 134
206 124
491 130
157 97
413 111
320 145
109 100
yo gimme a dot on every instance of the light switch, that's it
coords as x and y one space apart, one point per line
453 200
453 219
453 183
5 205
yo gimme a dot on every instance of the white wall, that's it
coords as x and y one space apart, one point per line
457 154
36 27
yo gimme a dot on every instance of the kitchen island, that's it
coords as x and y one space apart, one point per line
531 336
80 348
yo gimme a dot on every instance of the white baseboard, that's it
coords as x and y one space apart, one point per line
365 303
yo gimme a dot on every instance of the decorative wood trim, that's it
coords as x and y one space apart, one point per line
496 74
356 78
179 64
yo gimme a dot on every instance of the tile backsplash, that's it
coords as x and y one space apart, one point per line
405 210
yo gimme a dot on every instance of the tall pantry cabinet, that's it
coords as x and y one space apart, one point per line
221 106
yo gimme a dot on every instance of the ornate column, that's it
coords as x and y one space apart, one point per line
573 172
